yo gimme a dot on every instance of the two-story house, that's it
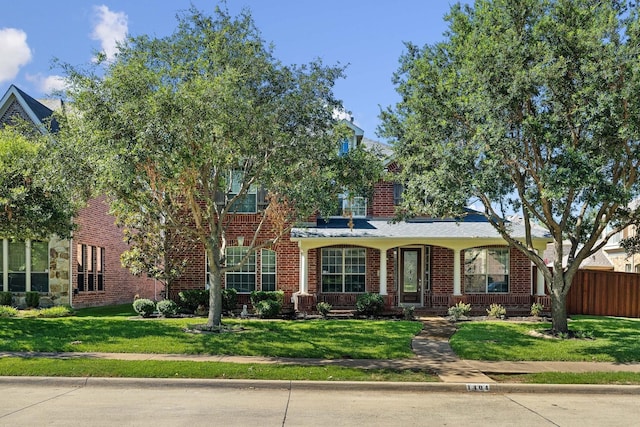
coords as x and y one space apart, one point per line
82 271
427 263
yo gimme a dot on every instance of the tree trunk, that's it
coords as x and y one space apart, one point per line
215 301
558 296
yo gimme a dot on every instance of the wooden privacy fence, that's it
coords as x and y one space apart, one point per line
605 293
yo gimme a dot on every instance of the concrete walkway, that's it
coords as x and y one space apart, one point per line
431 348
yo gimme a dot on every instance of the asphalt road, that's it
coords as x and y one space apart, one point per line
42 402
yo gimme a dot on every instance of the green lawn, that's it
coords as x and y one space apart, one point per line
602 378
615 340
13 366
113 330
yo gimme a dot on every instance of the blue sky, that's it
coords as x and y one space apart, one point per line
366 34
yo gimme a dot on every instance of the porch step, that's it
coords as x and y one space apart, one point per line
341 314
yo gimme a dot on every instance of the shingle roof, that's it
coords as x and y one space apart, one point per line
471 226
40 112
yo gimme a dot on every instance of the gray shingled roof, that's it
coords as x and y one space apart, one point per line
471 227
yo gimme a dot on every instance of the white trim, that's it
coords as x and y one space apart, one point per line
457 284
383 272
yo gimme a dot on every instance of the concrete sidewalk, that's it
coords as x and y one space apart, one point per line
431 348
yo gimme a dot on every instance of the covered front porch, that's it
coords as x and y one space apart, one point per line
418 264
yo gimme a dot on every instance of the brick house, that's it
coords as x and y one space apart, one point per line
82 271
427 263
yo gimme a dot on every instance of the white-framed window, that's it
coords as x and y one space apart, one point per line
344 269
24 266
627 268
348 206
244 279
486 270
247 203
268 269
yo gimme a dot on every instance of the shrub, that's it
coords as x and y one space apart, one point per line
257 296
167 307
459 310
268 308
408 312
8 311
191 299
369 304
32 299
536 309
57 311
144 307
6 298
229 300
496 310
323 308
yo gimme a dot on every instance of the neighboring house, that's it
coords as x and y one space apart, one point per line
427 263
612 257
82 271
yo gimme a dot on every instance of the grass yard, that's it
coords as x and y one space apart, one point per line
615 340
13 366
113 330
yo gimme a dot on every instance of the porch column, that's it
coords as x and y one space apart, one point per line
457 282
5 265
383 272
27 261
539 283
304 272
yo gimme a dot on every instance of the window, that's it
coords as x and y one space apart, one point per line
343 269
351 206
247 203
90 264
26 266
486 270
627 268
397 193
17 267
40 266
243 280
268 269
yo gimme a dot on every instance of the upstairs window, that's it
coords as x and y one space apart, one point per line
247 203
355 206
397 194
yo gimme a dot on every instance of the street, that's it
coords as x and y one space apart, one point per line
161 403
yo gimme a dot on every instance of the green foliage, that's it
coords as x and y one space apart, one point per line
191 299
323 308
536 309
6 298
34 199
229 300
56 311
181 120
459 310
144 307
32 299
496 310
257 296
167 308
268 308
369 304
526 107
8 311
408 312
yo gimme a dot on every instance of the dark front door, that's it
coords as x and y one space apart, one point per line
410 274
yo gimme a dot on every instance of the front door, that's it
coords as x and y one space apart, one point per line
410 276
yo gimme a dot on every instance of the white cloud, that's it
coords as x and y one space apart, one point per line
14 52
110 28
47 84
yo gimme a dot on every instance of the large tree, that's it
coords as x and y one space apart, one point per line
529 107
195 125
36 198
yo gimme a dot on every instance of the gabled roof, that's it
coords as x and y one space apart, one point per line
37 112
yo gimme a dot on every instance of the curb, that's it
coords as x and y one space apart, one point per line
493 388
